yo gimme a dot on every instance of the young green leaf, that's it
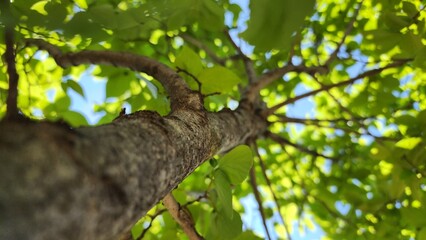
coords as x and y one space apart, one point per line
75 119
224 193
408 143
117 86
75 86
236 164
218 79
189 61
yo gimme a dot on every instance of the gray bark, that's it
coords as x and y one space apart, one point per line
95 182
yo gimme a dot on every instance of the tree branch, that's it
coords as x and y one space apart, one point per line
182 217
195 42
258 198
330 86
181 97
348 30
12 112
308 121
268 182
128 235
283 141
271 76
248 64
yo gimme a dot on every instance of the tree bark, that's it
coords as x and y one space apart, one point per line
95 182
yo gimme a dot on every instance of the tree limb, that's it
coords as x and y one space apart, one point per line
253 183
268 182
348 30
248 64
330 86
301 148
271 76
195 42
181 97
182 217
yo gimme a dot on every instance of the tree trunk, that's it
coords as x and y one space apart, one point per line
95 182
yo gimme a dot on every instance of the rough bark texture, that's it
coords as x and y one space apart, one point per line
95 182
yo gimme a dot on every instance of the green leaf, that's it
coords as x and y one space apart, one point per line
178 12
395 22
384 40
413 217
272 22
236 164
137 230
62 104
75 86
217 79
117 86
125 21
81 3
189 61
409 8
104 14
75 119
420 59
211 16
40 7
90 30
248 235
224 193
229 228
408 143
236 10
410 45
422 234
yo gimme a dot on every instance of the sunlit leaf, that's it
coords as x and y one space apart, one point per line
189 61
408 143
217 80
39 7
236 164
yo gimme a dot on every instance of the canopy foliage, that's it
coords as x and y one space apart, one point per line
350 160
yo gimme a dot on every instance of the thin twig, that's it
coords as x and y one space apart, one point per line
346 130
195 42
281 140
330 86
181 216
192 76
12 112
307 121
248 64
258 198
271 76
348 30
268 182
128 235
296 41
344 109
